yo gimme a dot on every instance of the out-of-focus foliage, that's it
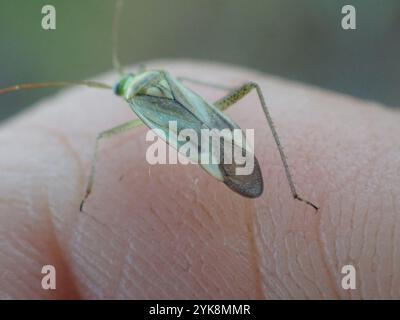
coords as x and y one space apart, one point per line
297 39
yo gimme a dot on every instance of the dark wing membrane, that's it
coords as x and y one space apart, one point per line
250 186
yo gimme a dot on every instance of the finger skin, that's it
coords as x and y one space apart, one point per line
172 231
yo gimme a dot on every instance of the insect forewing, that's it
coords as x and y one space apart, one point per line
169 101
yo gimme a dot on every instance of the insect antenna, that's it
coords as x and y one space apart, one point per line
39 85
115 31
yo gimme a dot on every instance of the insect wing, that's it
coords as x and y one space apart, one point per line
189 111
159 113
249 184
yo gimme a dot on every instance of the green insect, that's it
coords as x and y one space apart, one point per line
157 98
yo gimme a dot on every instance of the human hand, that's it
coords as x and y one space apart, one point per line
172 231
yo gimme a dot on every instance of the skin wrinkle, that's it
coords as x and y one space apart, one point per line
74 155
132 285
220 276
371 266
206 289
210 269
289 272
126 262
364 229
352 224
254 251
147 278
12 291
164 224
59 256
93 264
302 276
389 224
219 223
263 244
204 209
109 226
322 254
321 249
279 197
209 235
43 198
217 220
186 265
155 213
119 272
149 266
313 286
375 256
94 268
209 290
392 241
394 247
126 279
363 248
394 228
393 225
277 273
336 250
299 263
51 241
194 279
356 177
352 229
20 269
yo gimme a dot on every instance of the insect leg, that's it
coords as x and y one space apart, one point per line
59 84
105 134
237 94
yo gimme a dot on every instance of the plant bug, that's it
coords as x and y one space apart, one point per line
157 98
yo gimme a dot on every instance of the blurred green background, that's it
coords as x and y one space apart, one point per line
296 39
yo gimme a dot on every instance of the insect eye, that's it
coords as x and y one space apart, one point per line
116 89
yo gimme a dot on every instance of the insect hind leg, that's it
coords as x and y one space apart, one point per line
237 94
105 134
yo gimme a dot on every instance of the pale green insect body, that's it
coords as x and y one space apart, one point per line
157 99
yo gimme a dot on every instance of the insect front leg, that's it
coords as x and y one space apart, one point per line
105 134
237 94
